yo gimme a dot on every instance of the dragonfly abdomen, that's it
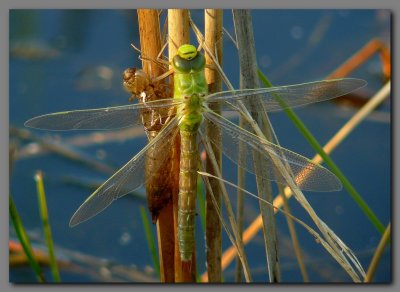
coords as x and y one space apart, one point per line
187 194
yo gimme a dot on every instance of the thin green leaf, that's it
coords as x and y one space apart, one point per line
44 215
150 240
24 240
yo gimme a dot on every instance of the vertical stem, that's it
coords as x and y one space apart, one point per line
178 32
241 180
151 44
249 77
213 39
237 238
289 220
150 40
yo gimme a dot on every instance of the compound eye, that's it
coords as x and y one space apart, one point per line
199 62
181 64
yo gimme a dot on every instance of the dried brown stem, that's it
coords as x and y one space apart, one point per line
249 79
178 34
213 39
150 42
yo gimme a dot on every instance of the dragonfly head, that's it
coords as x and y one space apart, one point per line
188 60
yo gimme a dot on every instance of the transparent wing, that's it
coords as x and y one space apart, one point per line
277 98
103 118
130 177
307 175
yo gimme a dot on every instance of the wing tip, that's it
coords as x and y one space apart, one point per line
35 123
338 187
334 185
356 83
29 123
74 221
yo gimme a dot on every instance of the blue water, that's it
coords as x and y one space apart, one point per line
74 46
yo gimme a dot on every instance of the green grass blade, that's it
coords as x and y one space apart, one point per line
150 240
24 240
329 162
44 215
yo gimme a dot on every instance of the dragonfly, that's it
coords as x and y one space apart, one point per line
185 114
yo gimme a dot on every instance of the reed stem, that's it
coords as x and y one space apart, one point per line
151 45
178 33
249 79
213 39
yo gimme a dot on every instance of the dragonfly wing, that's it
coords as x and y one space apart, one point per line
307 175
278 98
102 118
130 177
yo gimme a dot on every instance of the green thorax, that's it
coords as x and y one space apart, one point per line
190 86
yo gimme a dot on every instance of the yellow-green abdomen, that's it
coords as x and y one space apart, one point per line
187 193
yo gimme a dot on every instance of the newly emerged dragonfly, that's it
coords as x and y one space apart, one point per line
185 114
